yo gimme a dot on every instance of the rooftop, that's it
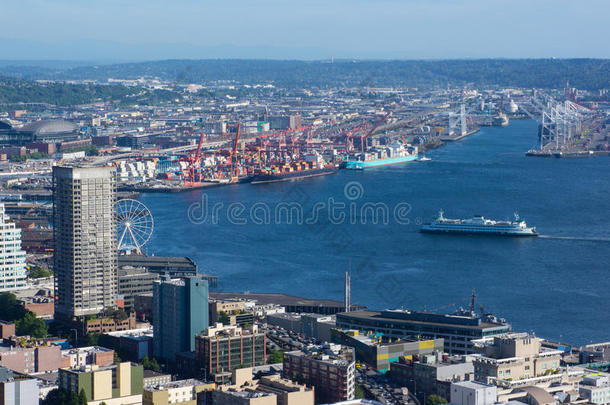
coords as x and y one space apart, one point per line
48 127
177 384
404 317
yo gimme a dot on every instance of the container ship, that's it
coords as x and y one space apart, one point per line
312 166
376 157
479 225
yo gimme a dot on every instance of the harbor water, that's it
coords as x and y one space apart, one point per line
556 285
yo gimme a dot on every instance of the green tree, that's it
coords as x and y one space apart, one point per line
224 318
276 356
93 339
116 358
31 326
39 272
82 397
435 400
10 309
358 392
151 364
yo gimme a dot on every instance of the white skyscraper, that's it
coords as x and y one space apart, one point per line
12 258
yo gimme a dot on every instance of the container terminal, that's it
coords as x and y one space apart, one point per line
258 139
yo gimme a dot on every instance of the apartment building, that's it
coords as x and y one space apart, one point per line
12 257
221 349
85 256
115 384
330 369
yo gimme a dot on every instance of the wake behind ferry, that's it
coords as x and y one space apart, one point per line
479 225
382 156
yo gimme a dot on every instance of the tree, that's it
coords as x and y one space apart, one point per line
224 318
82 397
93 339
435 400
276 356
39 272
358 392
10 309
31 326
151 364
116 358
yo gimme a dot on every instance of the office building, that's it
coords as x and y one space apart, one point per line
180 308
513 357
230 312
85 257
330 369
35 359
457 332
432 374
152 379
12 262
17 391
595 388
378 352
234 397
132 344
185 392
86 356
137 274
473 393
221 349
116 384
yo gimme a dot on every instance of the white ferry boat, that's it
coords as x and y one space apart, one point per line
479 225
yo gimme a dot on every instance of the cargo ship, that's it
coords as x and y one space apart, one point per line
479 225
382 156
311 166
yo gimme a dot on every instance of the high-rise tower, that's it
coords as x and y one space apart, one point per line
12 258
85 257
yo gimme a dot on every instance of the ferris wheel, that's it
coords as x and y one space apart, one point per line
134 225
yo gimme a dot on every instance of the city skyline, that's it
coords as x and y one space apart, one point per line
414 29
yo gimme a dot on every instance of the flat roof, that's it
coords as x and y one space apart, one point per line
275 298
376 315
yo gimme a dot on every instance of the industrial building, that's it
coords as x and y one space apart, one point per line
457 332
180 309
85 257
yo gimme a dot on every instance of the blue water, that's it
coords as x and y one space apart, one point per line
556 287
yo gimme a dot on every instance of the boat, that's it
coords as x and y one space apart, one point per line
500 120
382 156
424 159
311 166
480 226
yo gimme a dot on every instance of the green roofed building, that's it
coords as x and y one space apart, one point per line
116 384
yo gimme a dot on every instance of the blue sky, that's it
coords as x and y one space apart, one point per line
305 29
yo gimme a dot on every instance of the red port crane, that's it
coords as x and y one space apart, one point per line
234 163
192 160
364 138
